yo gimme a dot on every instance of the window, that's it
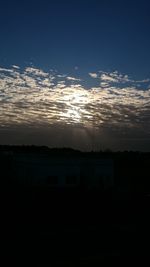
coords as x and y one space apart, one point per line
71 179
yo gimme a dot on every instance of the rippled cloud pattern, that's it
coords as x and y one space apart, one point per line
31 97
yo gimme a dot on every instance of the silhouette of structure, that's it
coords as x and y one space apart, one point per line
59 171
40 166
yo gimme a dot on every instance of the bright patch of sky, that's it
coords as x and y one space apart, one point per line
33 98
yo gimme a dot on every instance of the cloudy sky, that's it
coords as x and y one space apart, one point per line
75 74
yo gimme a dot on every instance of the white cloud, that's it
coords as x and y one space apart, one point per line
143 81
33 97
108 78
114 77
61 76
35 71
93 75
15 67
69 78
5 70
104 84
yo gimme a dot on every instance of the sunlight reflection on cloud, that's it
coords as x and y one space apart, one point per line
33 97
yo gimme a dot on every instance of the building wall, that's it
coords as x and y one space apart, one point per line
38 170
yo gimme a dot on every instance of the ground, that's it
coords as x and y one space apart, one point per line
75 228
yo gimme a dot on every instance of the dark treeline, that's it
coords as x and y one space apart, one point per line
72 152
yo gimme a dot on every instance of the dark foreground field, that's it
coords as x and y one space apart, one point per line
45 227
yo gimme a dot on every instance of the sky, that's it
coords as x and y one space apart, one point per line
75 74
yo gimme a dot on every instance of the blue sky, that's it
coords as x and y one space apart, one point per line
94 35
92 55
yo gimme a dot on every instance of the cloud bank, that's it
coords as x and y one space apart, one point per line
35 100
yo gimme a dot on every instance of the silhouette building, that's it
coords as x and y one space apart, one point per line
42 169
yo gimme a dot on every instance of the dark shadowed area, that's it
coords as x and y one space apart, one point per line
66 207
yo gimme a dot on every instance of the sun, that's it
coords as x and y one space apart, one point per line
73 115
75 101
74 105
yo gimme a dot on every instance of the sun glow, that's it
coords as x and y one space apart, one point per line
32 97
74 99
74 115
